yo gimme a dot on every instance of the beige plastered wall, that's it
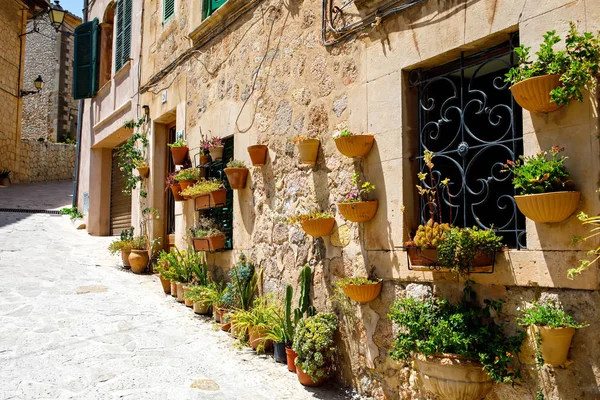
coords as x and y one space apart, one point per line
268 78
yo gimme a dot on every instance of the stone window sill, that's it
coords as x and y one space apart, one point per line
125 67
219 16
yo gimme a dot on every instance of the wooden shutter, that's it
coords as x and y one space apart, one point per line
168 10
211 6
86 60
120 204
123 45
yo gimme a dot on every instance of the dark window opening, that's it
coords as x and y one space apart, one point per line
170 198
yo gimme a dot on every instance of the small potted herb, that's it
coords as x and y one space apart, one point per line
163 271
308 148
208 193
459 350
139 257
315 346
314 223
206 236
216 148
174 186
352 145
5 177
258 154
543 183
237 173
550 330
355 207
187 177
179 151
359 289
555 78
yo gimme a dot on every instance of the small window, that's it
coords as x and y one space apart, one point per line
210 6
123 45
168 10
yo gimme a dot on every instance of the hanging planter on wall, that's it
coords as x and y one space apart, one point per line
354 146
359 211
533 94
216 198
318 227
308 149
209 243
361 290
179 154
144 171
258 154
237 173
176 190
548 207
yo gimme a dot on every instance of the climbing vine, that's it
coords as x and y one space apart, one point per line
132 154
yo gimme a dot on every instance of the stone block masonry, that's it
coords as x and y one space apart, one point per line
45 161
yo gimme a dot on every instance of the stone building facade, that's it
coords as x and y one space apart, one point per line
51 114
266 71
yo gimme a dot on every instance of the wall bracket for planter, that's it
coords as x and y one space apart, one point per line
214 243
214 199
427 260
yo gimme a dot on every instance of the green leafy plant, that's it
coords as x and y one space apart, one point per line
244 282
216 294
203 186
131 154
361 192
197 293
178 143
71 212
342 133
236 164
118 245
435 326
594 253
262 316
578 65
314 343
303 217
189 174
205 227
139 243
544 172
355 281
548 314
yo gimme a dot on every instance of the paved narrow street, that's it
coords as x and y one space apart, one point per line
73 325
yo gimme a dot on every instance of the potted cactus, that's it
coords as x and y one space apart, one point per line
258 154
308 148
359 289
179 151
237 173
314 223
355 207
352 145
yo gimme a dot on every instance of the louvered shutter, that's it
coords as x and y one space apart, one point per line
169 9
85 60
210 6
123 42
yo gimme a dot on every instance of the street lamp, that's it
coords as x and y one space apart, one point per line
56 14
39 85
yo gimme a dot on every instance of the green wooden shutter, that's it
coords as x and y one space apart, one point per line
86 59
123 42
210 6
168 10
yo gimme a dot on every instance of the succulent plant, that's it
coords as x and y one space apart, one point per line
430 235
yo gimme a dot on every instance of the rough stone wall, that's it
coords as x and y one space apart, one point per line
46 161
269 78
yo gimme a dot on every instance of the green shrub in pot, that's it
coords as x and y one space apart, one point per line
314 343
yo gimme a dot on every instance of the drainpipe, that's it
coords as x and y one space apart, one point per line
79 123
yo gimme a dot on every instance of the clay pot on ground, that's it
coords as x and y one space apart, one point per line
166 284
179 154
308 150
258 154
363 293
279 353
226 327
354 146
125 258
144 171
185 184
548 207
533 94
173 288
555 343
291 359
200 307
213 199
236 177
209 243
360 211
318 227
218 315
4 182
186 301
453 378
138 259
257 336
176 190
216 153
306 380
180 298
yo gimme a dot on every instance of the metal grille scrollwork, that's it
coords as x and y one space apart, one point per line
469 120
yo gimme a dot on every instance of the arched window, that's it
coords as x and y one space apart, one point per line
106 44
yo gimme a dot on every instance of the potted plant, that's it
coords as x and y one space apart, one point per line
555 78
314 223
550 331
258 154
142 167
123 246
183 263
314 344
206 236
355 207
198 296
5 177
205 146
308 148
174 186
543 181
352 145
187 177
207 193
162 268
458 349
216 148
179 151
359 289
237 173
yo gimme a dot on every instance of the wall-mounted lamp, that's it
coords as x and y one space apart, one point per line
146 109
39 85
56 14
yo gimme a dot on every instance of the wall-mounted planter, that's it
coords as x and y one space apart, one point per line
555 343
355 146
212 199
548 207
427 260
185 184
363 293
176 190
308 150
236 177
216 153
258 154
360 211
204 160
533 94
138 259
144 171
318 227
454 378
179 154
209 243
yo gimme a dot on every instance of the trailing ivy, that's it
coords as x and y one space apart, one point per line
131 154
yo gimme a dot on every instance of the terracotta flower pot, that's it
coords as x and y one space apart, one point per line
125 258
144 171
533 94
454 378
428 259
363 293
176 190
548 207
308 150
318 227
180 298
258 154
173 288
209 243
257 336
361 211
200 307
186 301
226 327
213 199
204 160
138 259
218 314
179 154
4 182
291 359
306 380
555 343
216 153
185 184
355 146
236 177
166 284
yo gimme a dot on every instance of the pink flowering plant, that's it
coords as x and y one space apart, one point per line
205 145
215 142
544 172
360 192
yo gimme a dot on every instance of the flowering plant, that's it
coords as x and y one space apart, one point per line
358 194
544 172
188 174
205 146
215 142
170 180
342 133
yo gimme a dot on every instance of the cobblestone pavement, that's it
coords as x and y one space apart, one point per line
44 195
73 325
